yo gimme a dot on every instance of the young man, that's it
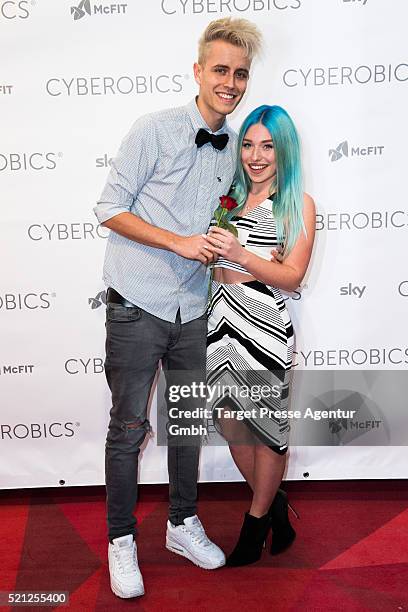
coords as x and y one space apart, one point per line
161 192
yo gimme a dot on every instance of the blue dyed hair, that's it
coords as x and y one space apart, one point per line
287 184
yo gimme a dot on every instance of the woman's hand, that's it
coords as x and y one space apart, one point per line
276 255
224 244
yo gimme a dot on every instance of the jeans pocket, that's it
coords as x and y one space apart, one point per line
117 313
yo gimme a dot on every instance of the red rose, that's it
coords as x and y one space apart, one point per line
227 202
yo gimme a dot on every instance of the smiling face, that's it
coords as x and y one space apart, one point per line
258 155
223 79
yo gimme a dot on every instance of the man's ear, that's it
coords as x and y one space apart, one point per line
197 69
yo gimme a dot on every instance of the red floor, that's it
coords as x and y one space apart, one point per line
351 552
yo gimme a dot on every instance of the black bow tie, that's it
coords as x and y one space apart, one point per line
218 142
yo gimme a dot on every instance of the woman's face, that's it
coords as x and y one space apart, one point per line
258 155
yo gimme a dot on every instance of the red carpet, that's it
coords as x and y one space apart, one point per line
351 552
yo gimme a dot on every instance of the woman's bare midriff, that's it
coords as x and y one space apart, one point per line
230 277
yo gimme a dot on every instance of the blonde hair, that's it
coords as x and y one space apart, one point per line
239 32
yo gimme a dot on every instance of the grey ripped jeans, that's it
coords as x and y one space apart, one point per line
135 343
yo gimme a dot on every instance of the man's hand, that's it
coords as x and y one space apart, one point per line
194 247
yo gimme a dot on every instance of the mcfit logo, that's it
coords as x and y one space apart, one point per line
79 11
86 8
339 151
17 369
343 150
365 415
98 300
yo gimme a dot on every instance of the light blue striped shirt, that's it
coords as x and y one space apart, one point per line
161 176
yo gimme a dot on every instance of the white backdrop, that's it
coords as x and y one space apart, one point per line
73 77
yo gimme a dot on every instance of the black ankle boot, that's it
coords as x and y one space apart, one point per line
283 533
251 540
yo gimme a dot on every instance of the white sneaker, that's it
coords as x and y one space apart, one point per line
191 541
125 577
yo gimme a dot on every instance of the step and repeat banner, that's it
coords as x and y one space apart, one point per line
74 75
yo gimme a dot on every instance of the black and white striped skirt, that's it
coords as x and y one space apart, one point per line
249 356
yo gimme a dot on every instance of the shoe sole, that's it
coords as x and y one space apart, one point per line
183 552
120 593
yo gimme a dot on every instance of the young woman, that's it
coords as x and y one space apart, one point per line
249 327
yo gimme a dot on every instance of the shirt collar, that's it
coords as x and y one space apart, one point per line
197 120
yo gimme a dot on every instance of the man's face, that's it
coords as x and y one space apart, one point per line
223 77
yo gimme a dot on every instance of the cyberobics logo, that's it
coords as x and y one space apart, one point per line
29 161
26 301
86 8
343 150
403 288
124 84
98 300
84 365
294 295
361 220
22 431
199 7
15 9
345 357
319 76
66 231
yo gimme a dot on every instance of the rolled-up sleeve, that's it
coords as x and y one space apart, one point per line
130 170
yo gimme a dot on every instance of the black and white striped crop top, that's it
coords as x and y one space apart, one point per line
256 232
